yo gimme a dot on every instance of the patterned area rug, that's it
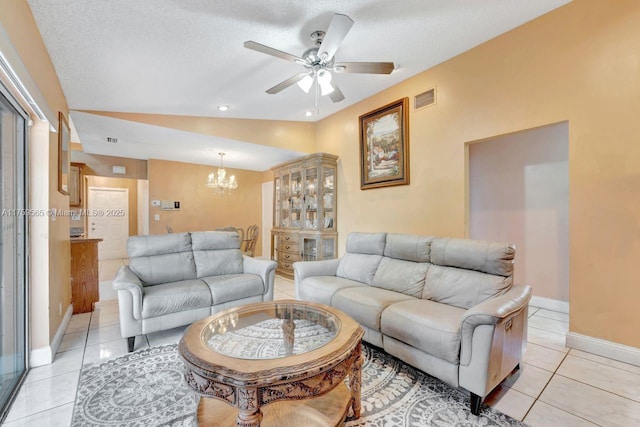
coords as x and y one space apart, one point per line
145 388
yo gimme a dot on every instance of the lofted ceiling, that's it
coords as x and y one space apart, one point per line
186 57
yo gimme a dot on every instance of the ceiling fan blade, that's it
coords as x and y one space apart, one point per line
364 67
273 52
336 95
285 84
335 34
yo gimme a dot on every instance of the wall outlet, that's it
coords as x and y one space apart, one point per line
156 217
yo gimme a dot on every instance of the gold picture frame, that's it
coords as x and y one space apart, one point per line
384 146
64 142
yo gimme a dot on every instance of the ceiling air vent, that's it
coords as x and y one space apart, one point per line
425 99
112 140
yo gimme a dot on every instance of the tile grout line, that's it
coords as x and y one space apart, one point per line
598 388
545 386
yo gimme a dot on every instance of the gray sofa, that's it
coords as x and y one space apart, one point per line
175 279
446 306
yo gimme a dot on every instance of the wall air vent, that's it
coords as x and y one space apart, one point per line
425 99
112 140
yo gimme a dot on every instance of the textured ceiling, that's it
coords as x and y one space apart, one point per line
186 57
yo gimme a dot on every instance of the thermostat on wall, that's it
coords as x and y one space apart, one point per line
168 205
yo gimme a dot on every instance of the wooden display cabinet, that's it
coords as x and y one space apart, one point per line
304 211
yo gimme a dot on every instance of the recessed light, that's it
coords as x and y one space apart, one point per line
223 108
309 113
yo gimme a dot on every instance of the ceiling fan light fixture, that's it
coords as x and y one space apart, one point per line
305 83
324 80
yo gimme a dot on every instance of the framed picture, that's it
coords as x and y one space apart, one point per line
384 146
64 141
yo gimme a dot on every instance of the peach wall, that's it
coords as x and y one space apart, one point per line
200 208
519 193
96 164
579 63
289 135
18 22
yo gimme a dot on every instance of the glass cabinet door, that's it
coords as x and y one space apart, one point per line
309 248
285 204
277 205
328 248
311 198
328 197
296 200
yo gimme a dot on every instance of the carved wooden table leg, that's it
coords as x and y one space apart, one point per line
355 381
249 414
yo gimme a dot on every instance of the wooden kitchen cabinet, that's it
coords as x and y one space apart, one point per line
84 274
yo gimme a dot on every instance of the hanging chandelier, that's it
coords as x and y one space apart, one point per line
219 181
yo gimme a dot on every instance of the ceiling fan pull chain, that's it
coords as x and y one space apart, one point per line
317 96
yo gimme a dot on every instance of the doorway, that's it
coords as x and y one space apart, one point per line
13 273
108 210
519 193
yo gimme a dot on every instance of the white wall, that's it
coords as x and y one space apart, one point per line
519 193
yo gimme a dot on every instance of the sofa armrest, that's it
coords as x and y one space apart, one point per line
491 312
265 269
129 286
304 269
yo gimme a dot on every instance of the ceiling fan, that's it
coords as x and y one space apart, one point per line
319 61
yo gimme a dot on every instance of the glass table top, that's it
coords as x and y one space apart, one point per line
270 331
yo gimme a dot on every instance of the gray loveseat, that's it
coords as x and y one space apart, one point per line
175 279
446 306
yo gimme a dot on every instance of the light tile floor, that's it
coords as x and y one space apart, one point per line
556 386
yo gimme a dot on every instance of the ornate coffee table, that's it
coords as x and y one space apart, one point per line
277 363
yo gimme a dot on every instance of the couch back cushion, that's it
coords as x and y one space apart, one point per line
161 258
462 288
216 253
398 275
466 272
364 252
486 257
408 247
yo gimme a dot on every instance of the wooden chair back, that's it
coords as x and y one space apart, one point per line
252 238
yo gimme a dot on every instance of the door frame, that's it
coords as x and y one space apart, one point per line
22 233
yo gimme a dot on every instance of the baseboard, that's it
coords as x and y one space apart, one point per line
44 355
612 350
550 304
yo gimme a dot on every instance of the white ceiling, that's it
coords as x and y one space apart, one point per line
186 57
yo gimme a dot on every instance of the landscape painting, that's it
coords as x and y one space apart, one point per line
384 146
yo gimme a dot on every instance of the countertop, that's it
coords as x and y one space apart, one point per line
84 240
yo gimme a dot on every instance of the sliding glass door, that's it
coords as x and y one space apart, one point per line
13 292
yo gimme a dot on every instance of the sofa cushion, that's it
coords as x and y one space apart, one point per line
462 288
408 247
174 297
233 287
491 258
401 276
426 325
366 243
216 253
322 288
365 304
161 258
358 267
